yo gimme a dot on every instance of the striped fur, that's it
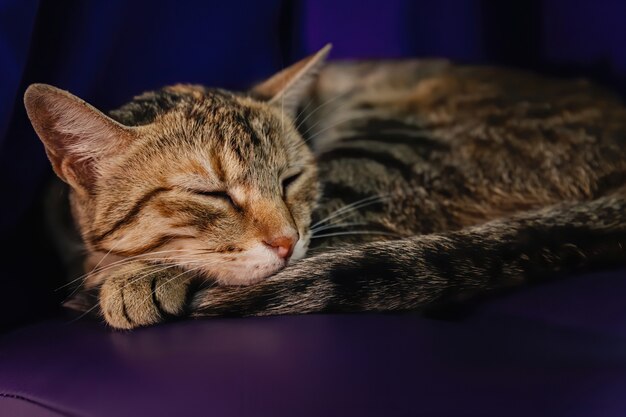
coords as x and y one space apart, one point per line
438 183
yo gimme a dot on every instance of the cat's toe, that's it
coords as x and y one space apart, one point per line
127 303
122 304
169 296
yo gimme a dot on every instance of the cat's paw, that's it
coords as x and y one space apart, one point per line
130 299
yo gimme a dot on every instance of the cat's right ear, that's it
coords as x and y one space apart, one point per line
288 88
77 136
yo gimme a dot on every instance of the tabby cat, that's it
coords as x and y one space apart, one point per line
407 183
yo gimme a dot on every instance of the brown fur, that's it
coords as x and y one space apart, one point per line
438 182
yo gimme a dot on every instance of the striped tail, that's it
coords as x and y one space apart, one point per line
422 271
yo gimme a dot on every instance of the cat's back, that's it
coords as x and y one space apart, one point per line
458 145
439 96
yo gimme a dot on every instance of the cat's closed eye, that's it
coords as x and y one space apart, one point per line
222 195
289 180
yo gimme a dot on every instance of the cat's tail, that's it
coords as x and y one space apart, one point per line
417 272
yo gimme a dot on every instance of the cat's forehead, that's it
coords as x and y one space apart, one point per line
239 137
193 114
196 102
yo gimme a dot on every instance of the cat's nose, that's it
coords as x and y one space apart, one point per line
283 244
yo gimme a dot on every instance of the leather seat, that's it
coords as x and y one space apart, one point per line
557 349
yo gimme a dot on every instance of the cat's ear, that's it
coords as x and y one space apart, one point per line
77 136
287 88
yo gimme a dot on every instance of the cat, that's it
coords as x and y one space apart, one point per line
406 184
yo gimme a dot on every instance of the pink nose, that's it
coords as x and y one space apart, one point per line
283 245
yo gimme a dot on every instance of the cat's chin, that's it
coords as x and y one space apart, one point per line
247 278
249 267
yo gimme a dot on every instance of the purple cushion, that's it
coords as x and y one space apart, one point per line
557 349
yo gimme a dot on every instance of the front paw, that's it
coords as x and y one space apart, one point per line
131 299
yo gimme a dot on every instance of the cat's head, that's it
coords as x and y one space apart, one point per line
216 182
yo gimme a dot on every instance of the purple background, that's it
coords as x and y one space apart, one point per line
107 51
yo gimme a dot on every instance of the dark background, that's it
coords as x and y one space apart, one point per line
108 51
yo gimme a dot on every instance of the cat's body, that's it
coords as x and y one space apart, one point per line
454 147
501 177
438 183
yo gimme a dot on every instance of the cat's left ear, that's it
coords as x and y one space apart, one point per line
287 88
78 138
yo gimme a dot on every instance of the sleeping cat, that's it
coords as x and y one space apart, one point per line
405 183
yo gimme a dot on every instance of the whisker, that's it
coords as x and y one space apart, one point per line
97 304
132 259
357 232
351 207
164 261
94 268
345 207
189 261
151 272
333 125
335 226
301 112
167 262
169 266
107 254
319 107
305 141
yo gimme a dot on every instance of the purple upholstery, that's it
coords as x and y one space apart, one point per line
557 349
